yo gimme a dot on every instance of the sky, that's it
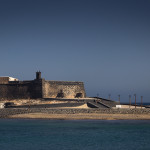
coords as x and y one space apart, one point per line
104 43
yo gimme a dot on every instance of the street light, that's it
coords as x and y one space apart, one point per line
135 100
97 95
129 101
119 98
141 101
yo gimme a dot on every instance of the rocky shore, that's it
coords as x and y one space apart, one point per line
74 113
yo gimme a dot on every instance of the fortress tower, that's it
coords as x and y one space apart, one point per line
38 75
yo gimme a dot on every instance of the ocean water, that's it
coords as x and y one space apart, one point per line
23 134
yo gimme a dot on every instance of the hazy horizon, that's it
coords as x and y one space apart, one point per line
105 44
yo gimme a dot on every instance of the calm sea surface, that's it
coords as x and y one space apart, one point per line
74 135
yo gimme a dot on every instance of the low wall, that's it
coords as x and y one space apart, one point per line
5 113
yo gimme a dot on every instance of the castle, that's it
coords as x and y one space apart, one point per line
12 88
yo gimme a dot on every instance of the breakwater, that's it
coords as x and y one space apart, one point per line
5 113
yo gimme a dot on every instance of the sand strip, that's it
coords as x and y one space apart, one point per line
84 116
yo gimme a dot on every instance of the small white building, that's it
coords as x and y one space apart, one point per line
5 79
13 79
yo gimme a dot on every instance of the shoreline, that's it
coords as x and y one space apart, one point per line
75 114
83 116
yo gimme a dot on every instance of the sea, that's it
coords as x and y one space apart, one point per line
36 134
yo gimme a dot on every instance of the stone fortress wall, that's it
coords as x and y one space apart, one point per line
21 90
39 88
61 89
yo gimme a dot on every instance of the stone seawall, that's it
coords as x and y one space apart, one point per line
5 113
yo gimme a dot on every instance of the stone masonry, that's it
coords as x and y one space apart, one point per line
39 88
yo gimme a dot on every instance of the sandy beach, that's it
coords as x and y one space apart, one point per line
83 116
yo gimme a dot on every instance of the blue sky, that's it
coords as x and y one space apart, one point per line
104 43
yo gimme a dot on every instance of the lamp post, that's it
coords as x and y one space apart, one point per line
141 101
109 96
135 100
129 101
97 95
119 98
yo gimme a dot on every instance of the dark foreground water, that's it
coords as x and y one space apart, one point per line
74 135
